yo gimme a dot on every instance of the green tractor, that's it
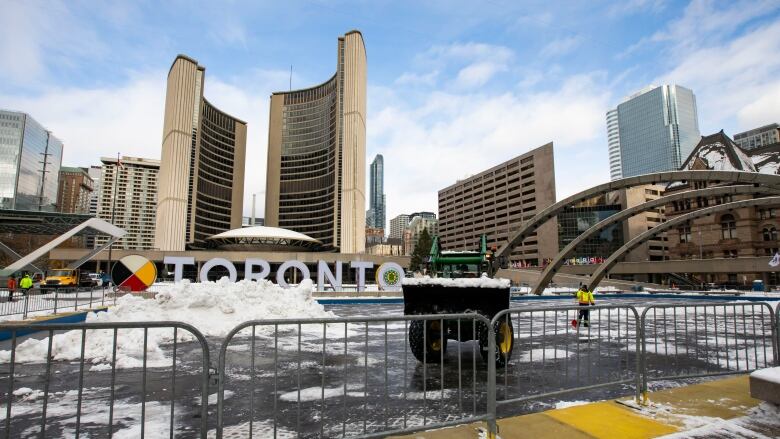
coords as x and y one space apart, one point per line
460 282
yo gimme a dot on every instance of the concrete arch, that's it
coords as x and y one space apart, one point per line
599 274
709 176
555 264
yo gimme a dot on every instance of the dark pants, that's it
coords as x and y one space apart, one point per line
584 314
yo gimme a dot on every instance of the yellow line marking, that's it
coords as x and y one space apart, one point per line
609 420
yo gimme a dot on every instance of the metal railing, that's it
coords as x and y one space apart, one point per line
96 392
334 377
559 357
682 341
55 300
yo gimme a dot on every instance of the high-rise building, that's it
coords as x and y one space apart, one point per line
375 217
613 140
415 228
496 201
657 129
758 137
201 190
128 199
75 190
426 215
397 226
94 173
316 176
30 160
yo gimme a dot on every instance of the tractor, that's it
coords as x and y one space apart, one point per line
460 283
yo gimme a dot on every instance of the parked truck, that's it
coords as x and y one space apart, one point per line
67 278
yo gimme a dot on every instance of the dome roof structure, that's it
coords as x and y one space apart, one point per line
264 238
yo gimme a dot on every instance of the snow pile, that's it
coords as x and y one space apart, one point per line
214 308
471 282
771 375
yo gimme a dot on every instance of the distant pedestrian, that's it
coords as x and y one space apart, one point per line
11 285
25 284
584 299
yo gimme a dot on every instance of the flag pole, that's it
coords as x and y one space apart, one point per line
113 209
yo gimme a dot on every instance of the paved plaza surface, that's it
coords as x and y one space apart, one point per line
349 379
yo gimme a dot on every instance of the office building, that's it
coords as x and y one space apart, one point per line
574 220
743 232
426 215
374 235
758 137
496 201
75 190
375 217
201 191
657 129
397 226
415 228
128 199
316 175
613 141
30 160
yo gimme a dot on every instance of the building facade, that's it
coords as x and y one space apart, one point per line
75 190
657 129
30 160
316 175
574 220
613 142
128 199
201 191
375 216
758 137
743 232
496 201
374 235
415 228
397 226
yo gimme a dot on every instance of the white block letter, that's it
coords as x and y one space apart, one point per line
178 265
361 272
389 276
323 271
204 271
250 264
291 264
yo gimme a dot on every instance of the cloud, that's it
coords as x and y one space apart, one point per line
409 78
478 73
629 7
736 78
451 135
561 46
475 63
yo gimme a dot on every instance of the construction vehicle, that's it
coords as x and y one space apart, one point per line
66 278
460 283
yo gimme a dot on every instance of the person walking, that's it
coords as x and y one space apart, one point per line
585 299
11 285
25 284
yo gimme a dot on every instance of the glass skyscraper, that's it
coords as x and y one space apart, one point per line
30 160
657 129
375 217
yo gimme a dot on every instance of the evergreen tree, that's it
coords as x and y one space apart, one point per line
421 251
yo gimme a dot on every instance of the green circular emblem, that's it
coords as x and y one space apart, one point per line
391 277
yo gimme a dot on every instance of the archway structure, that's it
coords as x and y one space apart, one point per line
551 269
602 271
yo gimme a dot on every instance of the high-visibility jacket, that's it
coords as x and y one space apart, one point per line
585 297
26 282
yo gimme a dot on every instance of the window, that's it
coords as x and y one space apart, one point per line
728 226
685 233
770 233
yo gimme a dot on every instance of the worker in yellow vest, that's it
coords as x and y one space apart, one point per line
585 299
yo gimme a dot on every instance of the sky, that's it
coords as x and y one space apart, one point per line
454 87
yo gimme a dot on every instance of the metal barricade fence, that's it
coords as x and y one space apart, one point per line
551 356
100 379
353 377
55 300
682 341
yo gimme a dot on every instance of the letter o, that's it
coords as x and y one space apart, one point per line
211 263
305 274
385 276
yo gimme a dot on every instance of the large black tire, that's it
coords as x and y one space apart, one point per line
505 341
436 344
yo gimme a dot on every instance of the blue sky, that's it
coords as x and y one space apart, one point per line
454 86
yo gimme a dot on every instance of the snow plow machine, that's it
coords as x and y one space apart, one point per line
460 282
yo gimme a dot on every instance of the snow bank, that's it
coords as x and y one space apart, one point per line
214 308
771 374
475 282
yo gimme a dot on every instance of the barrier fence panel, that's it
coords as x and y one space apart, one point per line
697 340
556 351
145 379
20 305
353 377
